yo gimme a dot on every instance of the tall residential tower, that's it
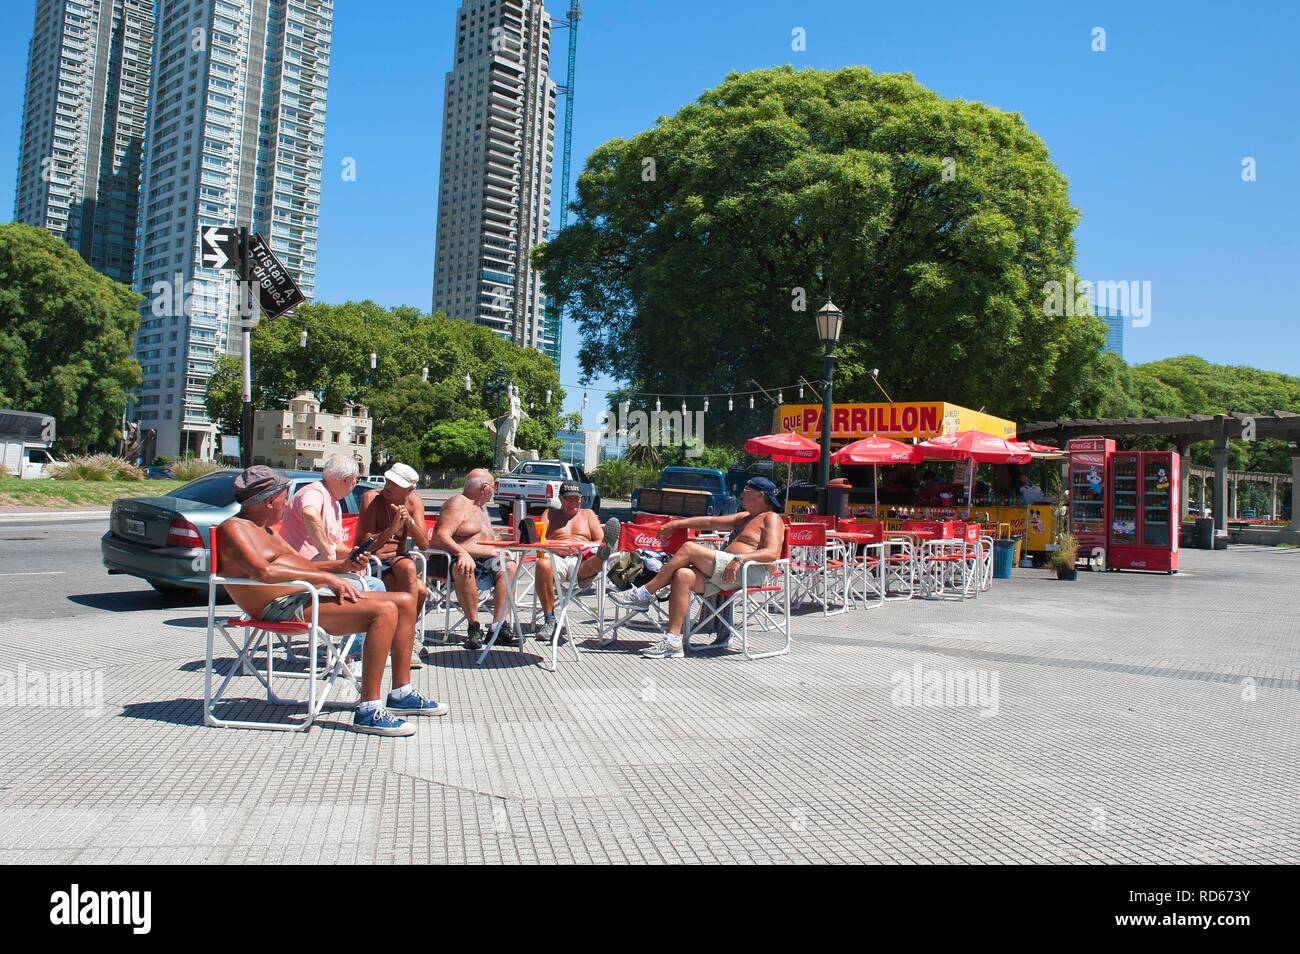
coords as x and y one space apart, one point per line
83 126
236 136
498 137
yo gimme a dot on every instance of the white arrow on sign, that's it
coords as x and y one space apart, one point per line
214 254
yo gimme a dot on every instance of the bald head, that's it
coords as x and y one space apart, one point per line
480 485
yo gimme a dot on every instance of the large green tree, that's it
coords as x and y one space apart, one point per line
1176 387
935 224
335 363
65 337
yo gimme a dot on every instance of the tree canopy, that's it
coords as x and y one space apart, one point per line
935 225
65 337
410 415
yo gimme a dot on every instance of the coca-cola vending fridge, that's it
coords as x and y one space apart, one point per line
1089 462
1144 511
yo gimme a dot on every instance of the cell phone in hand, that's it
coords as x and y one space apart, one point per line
364 546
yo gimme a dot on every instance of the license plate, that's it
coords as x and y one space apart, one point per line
135 527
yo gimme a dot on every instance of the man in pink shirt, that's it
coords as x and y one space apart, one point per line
313 521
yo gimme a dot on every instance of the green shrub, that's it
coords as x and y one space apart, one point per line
161 461
190 469
95 467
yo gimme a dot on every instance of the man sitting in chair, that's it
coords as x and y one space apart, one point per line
573 522
756 537
248 548
464 530
392 515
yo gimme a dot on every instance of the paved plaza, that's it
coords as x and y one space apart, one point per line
1133 718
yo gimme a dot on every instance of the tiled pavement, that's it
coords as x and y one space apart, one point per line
1138 719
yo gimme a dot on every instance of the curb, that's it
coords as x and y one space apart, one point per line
51 516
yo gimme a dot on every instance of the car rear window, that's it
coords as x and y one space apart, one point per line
541 470
217 490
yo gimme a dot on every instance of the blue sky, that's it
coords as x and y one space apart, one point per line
1150 133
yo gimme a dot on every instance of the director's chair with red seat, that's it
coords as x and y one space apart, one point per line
819 568
633 537
261 635
757 605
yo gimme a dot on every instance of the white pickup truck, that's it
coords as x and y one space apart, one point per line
537 484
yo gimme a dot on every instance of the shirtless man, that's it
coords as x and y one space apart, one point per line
757 535
464 530
248 548
391 516
574 522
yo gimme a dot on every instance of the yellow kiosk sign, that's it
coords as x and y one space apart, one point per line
851 422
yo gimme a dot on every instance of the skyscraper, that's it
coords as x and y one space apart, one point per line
236 136
83 126
1114 329
498 137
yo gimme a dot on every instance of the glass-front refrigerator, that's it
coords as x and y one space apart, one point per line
1144 510
1089 469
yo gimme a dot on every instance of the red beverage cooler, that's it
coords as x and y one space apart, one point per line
1089 514
1144 511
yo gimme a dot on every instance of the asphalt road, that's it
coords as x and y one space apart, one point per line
52 569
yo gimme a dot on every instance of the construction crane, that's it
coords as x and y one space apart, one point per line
553 318
575 14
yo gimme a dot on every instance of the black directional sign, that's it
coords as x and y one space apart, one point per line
220 247
277 289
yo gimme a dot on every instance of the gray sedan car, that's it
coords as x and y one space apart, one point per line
164 540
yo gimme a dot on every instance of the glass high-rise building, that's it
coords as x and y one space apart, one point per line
1114 329
498 138
83 126
236 136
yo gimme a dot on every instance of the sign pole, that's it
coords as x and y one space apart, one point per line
247 298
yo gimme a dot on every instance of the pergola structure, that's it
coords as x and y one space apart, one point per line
1276 484
1186 431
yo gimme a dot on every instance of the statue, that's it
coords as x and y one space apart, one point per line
135 441
506 456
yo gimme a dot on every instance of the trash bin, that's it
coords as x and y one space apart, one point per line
1205 533
1004 558
833 501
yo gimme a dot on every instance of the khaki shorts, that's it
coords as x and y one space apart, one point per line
754 575
566 565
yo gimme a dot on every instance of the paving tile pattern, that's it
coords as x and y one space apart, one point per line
1138 719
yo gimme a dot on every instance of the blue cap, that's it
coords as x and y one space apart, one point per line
767 489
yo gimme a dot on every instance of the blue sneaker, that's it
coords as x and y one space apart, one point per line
379 721
416 705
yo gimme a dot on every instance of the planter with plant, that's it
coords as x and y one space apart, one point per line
1064 556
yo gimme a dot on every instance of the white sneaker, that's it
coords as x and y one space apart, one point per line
669 647
638 597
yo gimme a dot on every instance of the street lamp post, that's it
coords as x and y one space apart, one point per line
829 322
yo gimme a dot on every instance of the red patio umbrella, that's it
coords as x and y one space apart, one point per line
875 450
976 447
788 448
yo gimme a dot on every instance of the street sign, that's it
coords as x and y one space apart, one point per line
277 291
220 247
276 288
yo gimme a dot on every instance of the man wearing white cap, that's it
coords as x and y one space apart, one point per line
394 516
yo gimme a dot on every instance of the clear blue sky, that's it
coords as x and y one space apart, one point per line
1151 133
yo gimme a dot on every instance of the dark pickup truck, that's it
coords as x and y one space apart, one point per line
691 492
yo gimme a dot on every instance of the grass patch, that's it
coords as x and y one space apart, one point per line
71 494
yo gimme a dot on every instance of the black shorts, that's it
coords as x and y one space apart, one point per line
485 569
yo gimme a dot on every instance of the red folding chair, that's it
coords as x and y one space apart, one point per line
262 635
819 568
633 537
